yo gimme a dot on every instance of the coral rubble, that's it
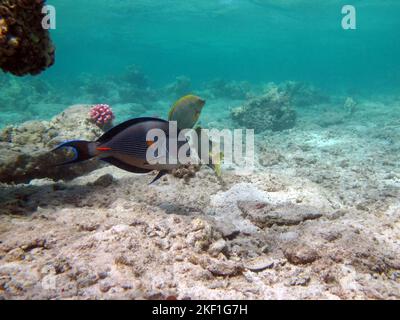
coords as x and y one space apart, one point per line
25 46
350 105
192 242
135 77
179 88
131 86
303 94
24 99
271 111
322 222
220 88
25 149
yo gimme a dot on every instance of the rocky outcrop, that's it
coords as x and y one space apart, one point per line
25 149
180 87
263 214
303 94
271 111
235 90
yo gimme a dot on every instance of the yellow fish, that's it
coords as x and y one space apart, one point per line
215 157
186 111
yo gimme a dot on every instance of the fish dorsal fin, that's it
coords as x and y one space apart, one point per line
121 127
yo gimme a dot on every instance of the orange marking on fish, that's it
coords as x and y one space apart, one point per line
103 149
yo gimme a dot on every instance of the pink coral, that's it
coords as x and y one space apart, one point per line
101 114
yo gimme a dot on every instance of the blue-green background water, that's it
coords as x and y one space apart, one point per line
246 40
235 39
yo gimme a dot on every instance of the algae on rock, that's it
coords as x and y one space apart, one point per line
25 149
271 111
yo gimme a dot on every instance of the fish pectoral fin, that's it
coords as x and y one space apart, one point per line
159 176
124 166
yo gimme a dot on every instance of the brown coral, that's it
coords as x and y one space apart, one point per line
186 172
25 46
270 111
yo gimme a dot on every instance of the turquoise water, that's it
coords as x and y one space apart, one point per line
245 40
237 39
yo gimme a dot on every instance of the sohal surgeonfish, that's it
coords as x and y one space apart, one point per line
125 146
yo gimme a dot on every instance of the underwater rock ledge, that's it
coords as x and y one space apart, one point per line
24 149
271 111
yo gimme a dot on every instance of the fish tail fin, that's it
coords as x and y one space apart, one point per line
79 148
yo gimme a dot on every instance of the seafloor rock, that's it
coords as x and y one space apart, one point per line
301 255
303 94
271 111
135 77
264 214
260 263
111 235
25 149
220 88
186 172
17 106
73 245
332 118
350 105
130 86
180 87
25 46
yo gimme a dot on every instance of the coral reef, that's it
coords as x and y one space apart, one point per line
23 99
317 219
25 46
167 240
186 172
179 88
220 88
135 77
131 86
350 105
102 115
25 149
271 111
303 94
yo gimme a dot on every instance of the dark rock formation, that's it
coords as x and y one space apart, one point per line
25 46
271 111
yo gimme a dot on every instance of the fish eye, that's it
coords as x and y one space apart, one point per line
69 150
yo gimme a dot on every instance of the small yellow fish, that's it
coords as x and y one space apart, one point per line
215 158
216 161
186 111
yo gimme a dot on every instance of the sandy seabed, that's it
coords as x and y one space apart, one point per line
318 219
